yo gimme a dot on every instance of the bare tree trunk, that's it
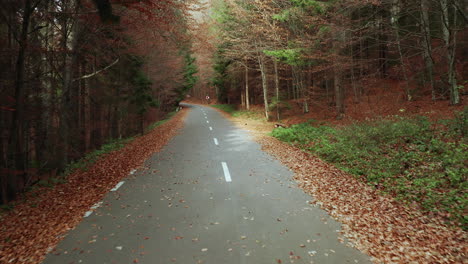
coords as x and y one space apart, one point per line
16 147
395 10
275 64
247 99
449 35
87 117
70 45
427 47
261 62
340 38
339 94
353 76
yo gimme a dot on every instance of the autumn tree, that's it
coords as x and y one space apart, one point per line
78 73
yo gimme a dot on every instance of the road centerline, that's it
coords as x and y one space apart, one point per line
227 175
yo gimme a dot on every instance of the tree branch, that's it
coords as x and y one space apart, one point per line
96 72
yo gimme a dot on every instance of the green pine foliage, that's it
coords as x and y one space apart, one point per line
414 160
292 56
141 95
190 79
220 77
317 7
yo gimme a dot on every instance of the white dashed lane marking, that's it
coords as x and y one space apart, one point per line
94 207
227 175
117 186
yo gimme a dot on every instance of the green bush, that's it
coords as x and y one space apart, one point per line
413 159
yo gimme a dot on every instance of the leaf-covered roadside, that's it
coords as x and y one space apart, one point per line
376 224
39 222
413 159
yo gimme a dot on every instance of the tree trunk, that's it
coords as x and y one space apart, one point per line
427 45
70 45
339 94
340 38
449 36
261 62
395 10
16 148
275 63
247 99
383 65
87 116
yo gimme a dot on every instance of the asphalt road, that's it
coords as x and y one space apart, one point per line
210 196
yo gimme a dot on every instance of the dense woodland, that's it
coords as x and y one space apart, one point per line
76 74
330 53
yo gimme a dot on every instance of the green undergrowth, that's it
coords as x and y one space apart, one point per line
89 159
84 163
232 110
415 160
249 114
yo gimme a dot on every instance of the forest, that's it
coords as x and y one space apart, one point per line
108 131
377 88
77 74
338 53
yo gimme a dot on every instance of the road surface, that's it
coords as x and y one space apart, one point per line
210 196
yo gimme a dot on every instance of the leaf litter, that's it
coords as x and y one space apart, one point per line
28 232
374 223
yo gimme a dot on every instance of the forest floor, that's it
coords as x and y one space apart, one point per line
40 218
377 224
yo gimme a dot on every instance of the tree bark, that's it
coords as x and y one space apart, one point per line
247 99
275 64
16 148
339 39
87 116
70 45
395 10
339 94
427 45
449 36
261 62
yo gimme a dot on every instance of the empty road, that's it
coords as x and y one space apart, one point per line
210 196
